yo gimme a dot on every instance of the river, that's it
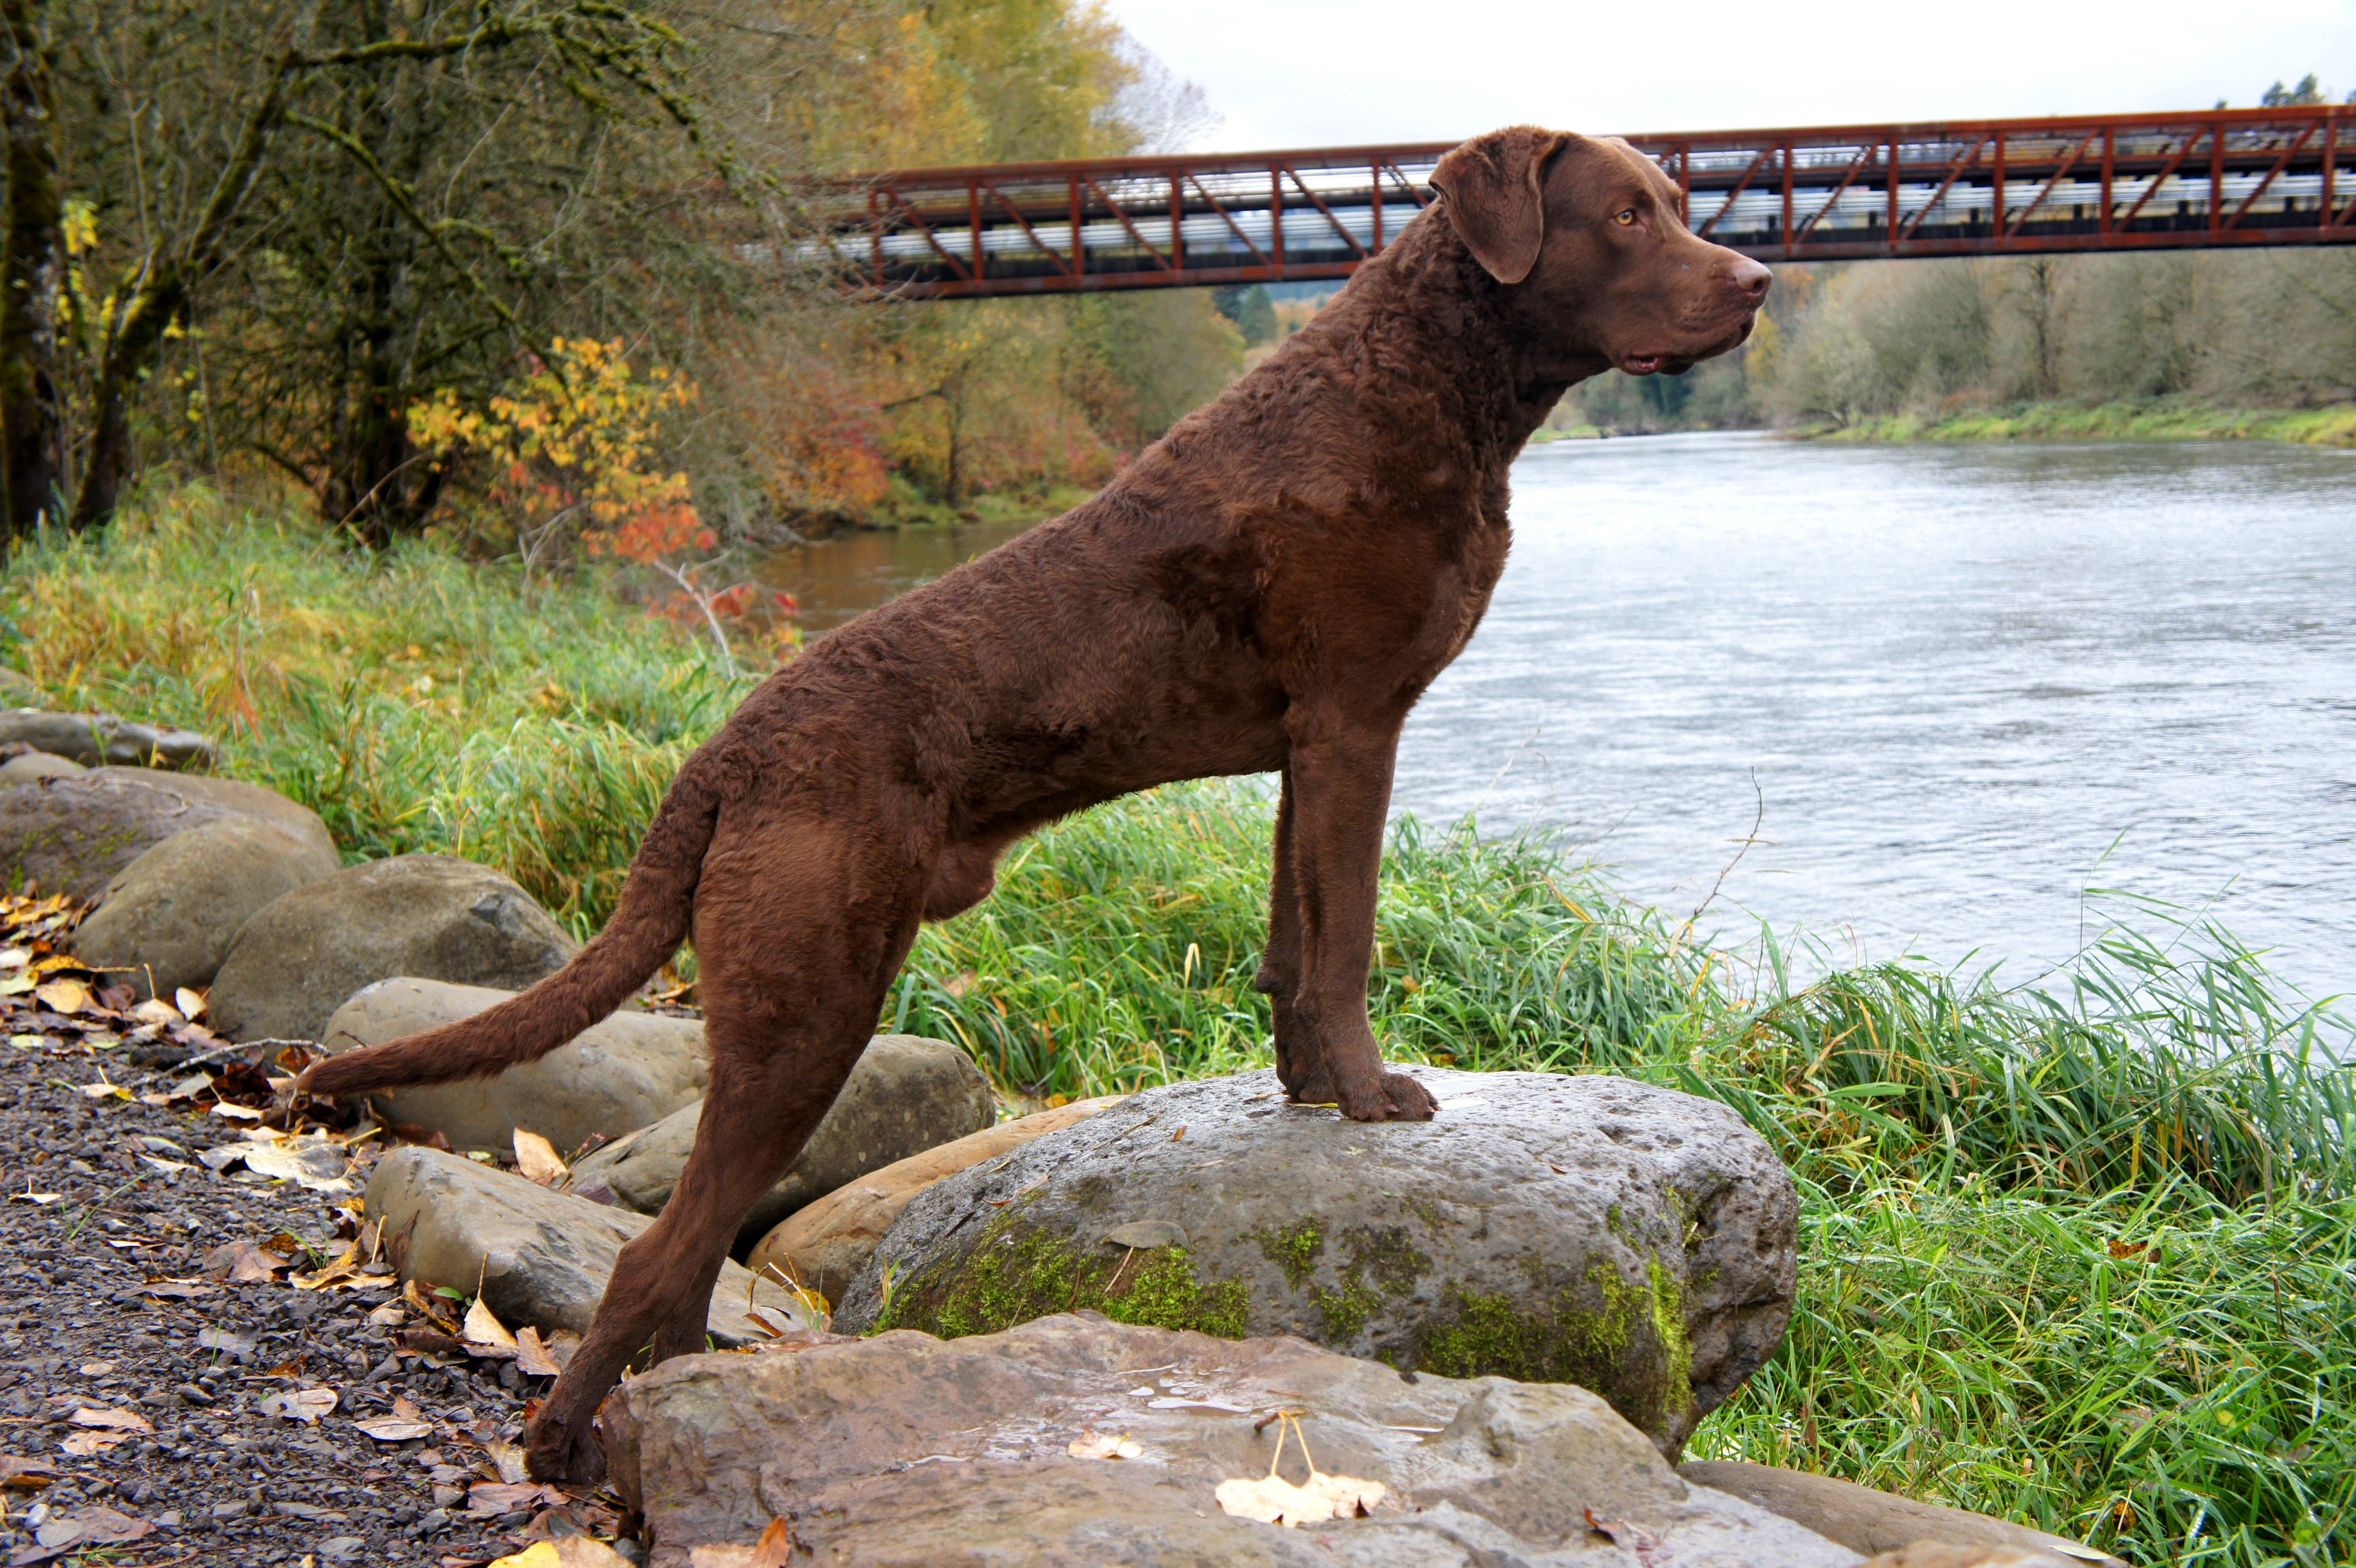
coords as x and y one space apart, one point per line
1957 685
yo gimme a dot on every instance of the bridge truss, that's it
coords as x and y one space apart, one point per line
2242 177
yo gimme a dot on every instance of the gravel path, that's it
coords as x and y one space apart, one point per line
104 1311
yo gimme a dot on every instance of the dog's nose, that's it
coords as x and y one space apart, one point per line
1751 279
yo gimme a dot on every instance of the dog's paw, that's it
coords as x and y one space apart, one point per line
556 1451
1394 1097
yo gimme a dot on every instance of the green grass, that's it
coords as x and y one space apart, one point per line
2144 419
2079 1254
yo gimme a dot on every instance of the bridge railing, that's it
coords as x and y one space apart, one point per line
2263 177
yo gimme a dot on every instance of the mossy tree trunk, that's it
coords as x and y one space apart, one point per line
31 264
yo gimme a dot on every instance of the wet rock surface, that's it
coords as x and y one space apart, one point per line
624 1073
907 1449
105 1305
169 917
906 1094
539 1257
72 835
430 917
825 1244
1583 1229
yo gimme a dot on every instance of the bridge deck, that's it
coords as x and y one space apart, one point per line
2247 177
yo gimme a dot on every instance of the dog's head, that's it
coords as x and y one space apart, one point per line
1596 264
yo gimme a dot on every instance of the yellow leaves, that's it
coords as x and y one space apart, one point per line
1272 1500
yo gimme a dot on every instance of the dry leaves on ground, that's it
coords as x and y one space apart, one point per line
405 1422
104 1430
305 1405
1094 1444
537 1160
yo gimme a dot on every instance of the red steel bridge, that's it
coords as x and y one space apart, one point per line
2237 176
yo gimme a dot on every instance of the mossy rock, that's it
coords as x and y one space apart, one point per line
1581 1229
76 834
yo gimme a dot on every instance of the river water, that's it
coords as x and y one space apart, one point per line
1957 686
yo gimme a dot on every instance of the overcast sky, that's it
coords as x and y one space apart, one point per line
1294 74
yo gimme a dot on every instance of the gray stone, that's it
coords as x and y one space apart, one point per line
904 1451
169 915
824 1244
542 1258
615 1076
1864 1520
72 835
27 766
907 1095
1583 1229
429 916
95 739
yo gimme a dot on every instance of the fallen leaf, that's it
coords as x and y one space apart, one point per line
395 1428
1094 1444
775 1547
191 1003
176 1289
227 1343
235 1112
242 1262
537 1160
305 1405
511 1496
311 1163
1144 1233
1631 1538
42 1199
571 1552
111 1419
26 1475
154 1012
1272 1500
485 1336
1178 1134
96 1368
533 1359
507 1459
67 996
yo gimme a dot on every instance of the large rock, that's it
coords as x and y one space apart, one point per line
906 1451
72 835
93 739
429 916
1631 1240
169 915
825 1244
906 1094
1864 1520
541 1257
615 1076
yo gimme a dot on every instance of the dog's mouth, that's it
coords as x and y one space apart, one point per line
1651 364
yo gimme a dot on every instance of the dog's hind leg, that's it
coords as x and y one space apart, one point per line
793 971
1299 1063
1339 776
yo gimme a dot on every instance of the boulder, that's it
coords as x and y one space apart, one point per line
904 1451
429 916
95 739
614 1077
826 1243
1631 1240
1939 1554
541 1257
73 834
170 914
27 766
1864 1520
907 1095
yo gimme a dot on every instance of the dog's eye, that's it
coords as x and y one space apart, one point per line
1624 217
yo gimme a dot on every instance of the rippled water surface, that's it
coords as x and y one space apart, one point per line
1956 675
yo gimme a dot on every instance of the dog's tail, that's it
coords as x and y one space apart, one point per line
648 926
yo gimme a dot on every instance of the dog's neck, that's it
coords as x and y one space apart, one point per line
1457 359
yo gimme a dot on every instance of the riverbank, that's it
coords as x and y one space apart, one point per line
2140 419
2074 1256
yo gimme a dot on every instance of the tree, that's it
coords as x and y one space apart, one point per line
32 259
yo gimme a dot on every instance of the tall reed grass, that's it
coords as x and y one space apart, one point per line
2078 1252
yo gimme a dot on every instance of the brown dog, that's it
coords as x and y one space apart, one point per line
1268 588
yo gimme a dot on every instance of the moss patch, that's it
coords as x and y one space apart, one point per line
1020 1270
1294 1248
1626 1342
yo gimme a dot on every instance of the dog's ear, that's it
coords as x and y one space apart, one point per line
1495 186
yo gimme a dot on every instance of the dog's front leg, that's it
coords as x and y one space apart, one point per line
1300 1061
1338 780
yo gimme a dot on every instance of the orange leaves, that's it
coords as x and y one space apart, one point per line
574 442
